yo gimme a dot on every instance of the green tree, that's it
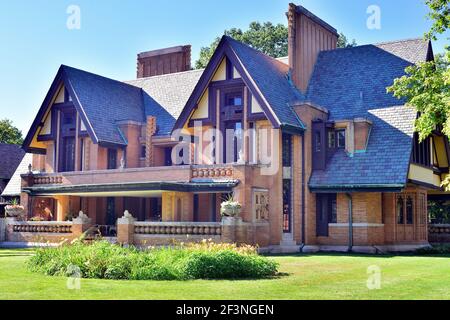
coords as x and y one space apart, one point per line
9 133
344 43
426 86
269 38
266 37
440 15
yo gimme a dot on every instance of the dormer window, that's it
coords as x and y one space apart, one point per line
336 139
340 139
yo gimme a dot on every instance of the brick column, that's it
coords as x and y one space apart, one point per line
150 131
125 229
80 225
233 230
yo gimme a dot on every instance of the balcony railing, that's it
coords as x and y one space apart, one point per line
133 175
42 227
178 228
215 171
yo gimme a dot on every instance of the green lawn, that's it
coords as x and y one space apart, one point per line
322 276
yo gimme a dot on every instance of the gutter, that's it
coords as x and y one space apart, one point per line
303 194
350 222
357 188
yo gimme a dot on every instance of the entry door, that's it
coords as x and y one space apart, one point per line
322 216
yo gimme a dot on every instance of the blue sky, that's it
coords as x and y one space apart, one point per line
35 39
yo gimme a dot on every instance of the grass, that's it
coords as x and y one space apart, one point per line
322 276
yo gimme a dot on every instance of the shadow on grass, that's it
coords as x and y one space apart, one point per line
357 255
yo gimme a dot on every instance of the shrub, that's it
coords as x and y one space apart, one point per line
102 260
435 249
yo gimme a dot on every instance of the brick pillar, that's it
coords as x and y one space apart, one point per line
25 199
187 213
150 131
232 230
167 206
80 225
125 229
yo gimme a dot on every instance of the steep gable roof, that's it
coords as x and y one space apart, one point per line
104 102
271 77
100 101
11 155
266 77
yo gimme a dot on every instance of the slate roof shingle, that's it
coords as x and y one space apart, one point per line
351 83
106 102
272 78
166 95
10 157
13 188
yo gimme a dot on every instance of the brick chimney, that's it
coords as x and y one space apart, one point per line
308 35
164 61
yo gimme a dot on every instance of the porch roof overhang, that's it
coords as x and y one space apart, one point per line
356 188
129 188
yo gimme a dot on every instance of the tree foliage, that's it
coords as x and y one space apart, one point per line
266 37
9 133
440 15
344 43
426 87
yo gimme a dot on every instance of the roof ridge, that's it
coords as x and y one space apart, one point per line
97 75
400 40
375 44
258 51
165 75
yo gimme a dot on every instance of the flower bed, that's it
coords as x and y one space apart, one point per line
102 260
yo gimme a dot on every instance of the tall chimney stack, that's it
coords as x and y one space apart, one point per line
308 35
164 61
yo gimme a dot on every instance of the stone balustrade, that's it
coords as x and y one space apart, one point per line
47 179
212 172
439 233
42 227
439 228
178 228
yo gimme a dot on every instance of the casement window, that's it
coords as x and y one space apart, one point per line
405 208
143 151
318 141
233 99
421 151
331 139
340 139
336 139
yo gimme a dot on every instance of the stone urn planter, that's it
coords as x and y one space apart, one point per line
230 208
15 211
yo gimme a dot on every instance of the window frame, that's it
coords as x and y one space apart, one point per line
338 144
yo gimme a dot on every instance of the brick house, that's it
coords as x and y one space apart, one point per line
311 145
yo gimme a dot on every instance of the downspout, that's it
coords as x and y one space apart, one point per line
303 194
350 222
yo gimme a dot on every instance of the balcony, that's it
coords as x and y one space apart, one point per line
174 178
